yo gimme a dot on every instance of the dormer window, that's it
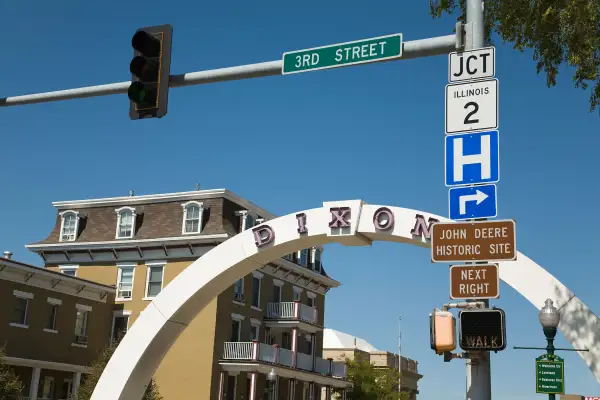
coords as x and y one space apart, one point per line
69 225
125 222
304 257
247 220
316 259
192 217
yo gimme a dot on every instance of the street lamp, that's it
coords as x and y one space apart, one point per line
549 318
272 378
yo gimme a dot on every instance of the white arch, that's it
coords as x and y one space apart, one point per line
146 343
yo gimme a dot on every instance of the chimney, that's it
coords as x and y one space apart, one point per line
8 254
197 186
355 343
131 193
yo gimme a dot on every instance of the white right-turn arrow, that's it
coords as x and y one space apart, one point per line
479 196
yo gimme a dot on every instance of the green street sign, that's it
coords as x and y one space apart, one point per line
550 374
343 54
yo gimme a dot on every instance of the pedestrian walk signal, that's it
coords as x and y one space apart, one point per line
150 71
483 330
442 331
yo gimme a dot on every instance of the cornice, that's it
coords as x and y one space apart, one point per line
163 198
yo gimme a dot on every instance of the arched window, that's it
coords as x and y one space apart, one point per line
69 225
125 222
192 217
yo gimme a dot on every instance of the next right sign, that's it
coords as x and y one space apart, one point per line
474 282
550 375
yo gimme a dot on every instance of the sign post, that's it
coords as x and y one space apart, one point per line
549 374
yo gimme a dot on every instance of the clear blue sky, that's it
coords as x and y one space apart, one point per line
373 132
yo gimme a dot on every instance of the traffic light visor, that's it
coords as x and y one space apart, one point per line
142 95
146 44
144 68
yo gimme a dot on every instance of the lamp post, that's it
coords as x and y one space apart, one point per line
272 378
549 318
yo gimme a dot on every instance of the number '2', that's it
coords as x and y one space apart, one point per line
468 119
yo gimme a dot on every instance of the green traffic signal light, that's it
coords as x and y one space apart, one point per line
143 95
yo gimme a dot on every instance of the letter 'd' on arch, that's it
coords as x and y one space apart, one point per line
263 235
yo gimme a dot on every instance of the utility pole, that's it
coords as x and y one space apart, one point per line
399 353
478 368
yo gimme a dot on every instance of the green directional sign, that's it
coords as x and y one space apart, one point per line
550 374
343 54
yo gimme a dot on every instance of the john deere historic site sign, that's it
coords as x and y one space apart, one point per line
474 241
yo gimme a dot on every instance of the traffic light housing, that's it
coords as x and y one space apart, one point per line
150 70
442 331
482 330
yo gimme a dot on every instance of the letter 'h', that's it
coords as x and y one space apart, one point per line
483 158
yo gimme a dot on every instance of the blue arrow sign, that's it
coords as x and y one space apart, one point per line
473 202
472 158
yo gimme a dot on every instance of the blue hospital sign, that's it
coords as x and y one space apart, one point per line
472 158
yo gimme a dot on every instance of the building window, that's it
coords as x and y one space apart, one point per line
297 293
192 217
70 270
69 225
276 293
120 324
125 281
125 222
304 257
256 279
316 259
231 386
254 330
310 301
53 310
20 309
238 290
67 388
307 346
236 327
247 220
81 324
48 388
286 340
154 279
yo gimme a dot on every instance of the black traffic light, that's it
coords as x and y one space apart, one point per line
150 70
483 330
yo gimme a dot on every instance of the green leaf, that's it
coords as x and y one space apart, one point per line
558 31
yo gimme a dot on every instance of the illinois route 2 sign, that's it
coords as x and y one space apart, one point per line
483 330
472 106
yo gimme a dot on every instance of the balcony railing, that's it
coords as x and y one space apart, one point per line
254 351
293 310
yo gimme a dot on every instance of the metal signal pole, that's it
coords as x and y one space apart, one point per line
478 368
